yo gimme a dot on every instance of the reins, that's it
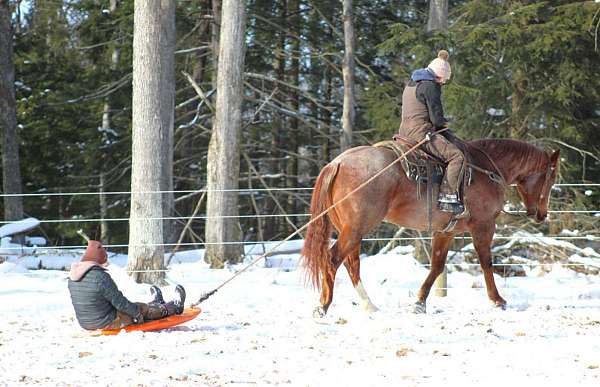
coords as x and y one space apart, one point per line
205 296
499 178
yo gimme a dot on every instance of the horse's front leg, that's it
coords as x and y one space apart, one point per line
439 252
482 240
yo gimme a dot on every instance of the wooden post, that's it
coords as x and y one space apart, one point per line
441 284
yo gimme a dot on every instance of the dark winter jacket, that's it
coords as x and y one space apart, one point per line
96 298
429 93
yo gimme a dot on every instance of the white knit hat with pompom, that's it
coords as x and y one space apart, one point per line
440 66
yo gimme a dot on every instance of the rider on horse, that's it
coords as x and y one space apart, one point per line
422 114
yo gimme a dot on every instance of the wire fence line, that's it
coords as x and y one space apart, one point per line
254 216
261 243
241 190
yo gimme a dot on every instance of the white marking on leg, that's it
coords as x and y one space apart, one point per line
364 297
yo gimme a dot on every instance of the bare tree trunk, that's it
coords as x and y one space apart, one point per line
277 127
438 15
293 133
146 232
223 167
104 230
518 122
437 20
106 126
348 74
215 31
11 172
167 95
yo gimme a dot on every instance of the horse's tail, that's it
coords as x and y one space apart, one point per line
315 252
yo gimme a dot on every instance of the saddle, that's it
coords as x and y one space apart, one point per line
427 169
421 165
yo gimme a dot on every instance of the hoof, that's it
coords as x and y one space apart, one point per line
500 304
419 308
319 312
370 308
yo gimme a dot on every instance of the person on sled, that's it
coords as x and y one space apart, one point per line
422 114
99 304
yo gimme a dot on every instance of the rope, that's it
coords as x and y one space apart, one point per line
205 296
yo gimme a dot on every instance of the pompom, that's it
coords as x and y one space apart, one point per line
443 54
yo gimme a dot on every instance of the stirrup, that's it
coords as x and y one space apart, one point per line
456 208
448 198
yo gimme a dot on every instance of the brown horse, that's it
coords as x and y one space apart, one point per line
392 197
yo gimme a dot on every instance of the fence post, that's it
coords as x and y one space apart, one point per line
441 284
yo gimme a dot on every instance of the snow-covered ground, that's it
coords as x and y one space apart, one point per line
259 330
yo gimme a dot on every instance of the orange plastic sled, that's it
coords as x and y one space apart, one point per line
155 325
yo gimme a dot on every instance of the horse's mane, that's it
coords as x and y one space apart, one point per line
520 152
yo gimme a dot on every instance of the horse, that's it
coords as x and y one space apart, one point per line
392 197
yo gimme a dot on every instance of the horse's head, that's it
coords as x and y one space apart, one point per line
534 188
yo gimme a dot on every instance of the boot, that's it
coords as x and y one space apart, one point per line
177 305
158 297
451 203
180 300
156 311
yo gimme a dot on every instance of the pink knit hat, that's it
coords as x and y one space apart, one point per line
440 66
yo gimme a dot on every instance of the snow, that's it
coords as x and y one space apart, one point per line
495 112
259 329
18 227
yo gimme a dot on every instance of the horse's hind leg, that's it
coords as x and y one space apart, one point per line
352 263
348 240
439 252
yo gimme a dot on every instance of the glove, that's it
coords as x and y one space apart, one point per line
139 317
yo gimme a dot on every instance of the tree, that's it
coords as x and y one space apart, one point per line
215 28
348 72
223 164
167 112
438 20
11 172
146 233
438 15
105 128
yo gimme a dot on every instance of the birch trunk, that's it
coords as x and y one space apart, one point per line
224 152
11 172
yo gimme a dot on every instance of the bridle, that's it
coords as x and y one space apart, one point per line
498 177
